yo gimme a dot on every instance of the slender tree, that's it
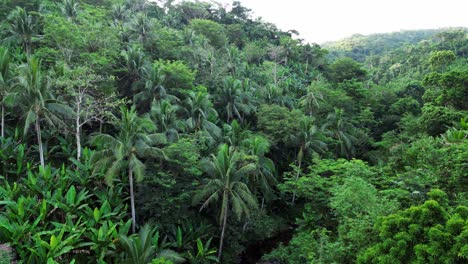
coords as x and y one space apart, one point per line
6 85
307 140
123 152
38 100
227 187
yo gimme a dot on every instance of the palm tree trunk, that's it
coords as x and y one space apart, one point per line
132 199
39 141
297 177
274 75
3 121
222 235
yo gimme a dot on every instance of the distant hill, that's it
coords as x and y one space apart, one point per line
359 46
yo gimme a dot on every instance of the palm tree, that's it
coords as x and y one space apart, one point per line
226 187
164 115
133 71
123 151
310 101
264 176
119 13
5 84
38 100
272 94
337 128
307 140
235 98
23 27
141 27
153 88
200 112
234 133
70 9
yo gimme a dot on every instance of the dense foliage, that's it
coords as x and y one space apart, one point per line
159 132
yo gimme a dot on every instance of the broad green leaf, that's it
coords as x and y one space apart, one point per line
97 214
43 211
71 195
51 261
53 242
21 207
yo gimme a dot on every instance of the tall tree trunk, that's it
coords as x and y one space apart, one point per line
297 177
222 234
132 199
78 132
274 74
39 141
3 121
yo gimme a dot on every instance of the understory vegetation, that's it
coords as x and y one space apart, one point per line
160 132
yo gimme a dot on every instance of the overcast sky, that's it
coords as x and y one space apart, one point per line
326 20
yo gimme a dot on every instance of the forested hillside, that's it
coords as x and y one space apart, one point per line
161 132
359 47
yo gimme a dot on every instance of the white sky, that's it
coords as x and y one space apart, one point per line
325 20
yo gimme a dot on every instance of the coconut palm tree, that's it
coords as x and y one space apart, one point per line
70 9
119 13
153 88
235 98
123 152
234 134
226 187
200 112
38 100
164 115
310 101
337 128
6 85
141 28
23 27
307 140
133 70
264 176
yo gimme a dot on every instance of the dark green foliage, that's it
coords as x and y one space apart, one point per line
213 31
346 69
277 122
437 119
230 132
428 233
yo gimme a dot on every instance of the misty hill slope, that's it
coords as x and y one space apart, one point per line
359 46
